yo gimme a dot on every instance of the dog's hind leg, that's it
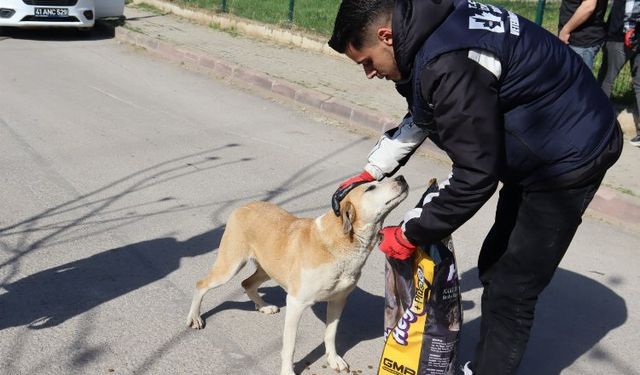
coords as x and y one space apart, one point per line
334 310
222 271
251 285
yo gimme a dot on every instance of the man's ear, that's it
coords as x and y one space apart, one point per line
348 217
385 35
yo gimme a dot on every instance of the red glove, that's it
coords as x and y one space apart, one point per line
395 244
631 40
346 186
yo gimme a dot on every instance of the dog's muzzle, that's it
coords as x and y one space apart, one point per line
404 188
402 183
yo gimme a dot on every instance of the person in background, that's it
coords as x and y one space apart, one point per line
622 45
582 27
508 102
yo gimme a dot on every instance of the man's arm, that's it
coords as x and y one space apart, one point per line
631 14
394 148
470 126
390 153
582 14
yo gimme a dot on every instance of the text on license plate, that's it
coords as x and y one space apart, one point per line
51 12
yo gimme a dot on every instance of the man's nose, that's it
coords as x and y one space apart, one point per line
370 72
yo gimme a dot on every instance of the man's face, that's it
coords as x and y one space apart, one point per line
376 57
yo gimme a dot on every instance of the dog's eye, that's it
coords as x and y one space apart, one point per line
371 187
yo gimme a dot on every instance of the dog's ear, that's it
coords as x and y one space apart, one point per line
348 217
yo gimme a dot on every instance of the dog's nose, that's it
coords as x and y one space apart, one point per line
400 179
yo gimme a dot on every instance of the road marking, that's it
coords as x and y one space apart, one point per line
114 97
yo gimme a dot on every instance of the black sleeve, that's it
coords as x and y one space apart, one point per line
466 111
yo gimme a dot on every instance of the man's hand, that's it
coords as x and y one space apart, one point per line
346 186
578 18
631 40
395 244
564 36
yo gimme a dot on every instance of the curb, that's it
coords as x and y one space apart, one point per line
607 203
246 27
237 73
611 205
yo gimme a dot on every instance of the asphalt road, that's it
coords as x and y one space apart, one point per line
118 171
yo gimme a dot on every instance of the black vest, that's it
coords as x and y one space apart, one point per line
556 117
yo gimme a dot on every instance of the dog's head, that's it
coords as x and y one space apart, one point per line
367 205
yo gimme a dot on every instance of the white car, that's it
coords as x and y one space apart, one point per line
66 13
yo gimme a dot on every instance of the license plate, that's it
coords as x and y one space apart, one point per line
51 12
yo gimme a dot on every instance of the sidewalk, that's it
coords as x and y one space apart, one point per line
304 70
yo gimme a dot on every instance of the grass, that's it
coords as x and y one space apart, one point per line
317 16
309 15
149 8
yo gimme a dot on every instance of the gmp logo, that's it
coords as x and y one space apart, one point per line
396 368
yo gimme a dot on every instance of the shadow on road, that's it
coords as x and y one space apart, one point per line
51 297
573 315
362 320
353 328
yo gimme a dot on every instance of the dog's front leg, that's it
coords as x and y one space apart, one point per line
334 310
291 320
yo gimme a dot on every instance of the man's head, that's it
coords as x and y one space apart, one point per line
362 31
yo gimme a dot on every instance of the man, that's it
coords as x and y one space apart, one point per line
621 46
508 102
582 27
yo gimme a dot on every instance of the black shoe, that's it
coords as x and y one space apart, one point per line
635 141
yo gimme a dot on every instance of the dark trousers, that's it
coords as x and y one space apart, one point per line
614 56
531 234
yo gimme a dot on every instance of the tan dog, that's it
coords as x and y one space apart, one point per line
312 259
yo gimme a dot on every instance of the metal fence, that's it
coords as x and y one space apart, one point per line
224 7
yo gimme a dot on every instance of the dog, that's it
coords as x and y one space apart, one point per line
312 259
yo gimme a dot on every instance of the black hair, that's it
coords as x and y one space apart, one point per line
354 18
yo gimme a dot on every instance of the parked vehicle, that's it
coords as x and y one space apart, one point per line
65 13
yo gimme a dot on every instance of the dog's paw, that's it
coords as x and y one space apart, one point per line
337 363
195 322
270 309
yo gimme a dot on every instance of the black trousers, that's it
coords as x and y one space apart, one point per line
531 234
614 56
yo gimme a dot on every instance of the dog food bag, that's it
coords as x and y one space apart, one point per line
422 313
